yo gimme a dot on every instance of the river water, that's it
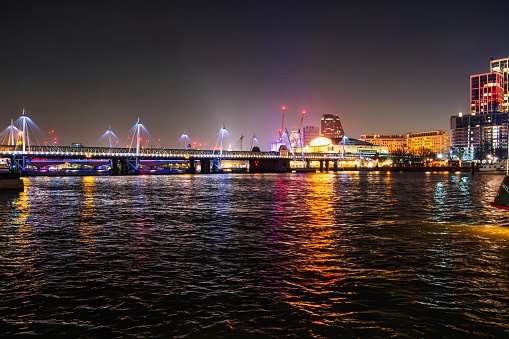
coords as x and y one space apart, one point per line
325 255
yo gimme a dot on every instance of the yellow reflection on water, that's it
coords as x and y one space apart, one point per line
319 264
86 227
21 233
88 202
484 231
25 231
22 208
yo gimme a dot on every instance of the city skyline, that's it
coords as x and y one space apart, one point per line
393 67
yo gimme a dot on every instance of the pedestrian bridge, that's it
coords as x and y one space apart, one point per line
50 152
127 160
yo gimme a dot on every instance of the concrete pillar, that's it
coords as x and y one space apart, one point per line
326 165
114 166
321 165
124 168
205 166
192 168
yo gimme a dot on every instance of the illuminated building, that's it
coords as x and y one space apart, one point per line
438 142
394 142
475 136
349 146
486 93
502 66
319 145
331 127
295 138
309 133
484 131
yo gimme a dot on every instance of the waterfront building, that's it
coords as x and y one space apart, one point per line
484 131
476 136
394 142
309 133
348 147
331 127
438 142
275 146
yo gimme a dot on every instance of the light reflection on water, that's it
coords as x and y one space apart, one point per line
350 254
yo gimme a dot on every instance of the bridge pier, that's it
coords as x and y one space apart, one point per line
124 169
114 166
205 166
192 168
324 165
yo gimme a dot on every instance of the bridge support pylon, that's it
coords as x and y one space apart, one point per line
205 166
124 169
114 166
192 167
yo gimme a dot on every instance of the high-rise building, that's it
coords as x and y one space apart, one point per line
502 66
309 133
331 127
486 93
484 131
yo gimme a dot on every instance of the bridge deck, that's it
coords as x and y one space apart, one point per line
177 154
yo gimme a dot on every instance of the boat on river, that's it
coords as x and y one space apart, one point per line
493 168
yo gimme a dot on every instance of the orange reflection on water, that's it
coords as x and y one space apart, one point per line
319 263
20 214
22 244
88 214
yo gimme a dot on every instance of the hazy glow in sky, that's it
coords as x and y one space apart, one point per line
190 66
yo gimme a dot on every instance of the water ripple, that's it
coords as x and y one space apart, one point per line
348 254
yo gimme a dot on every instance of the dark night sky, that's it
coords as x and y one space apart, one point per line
382 66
